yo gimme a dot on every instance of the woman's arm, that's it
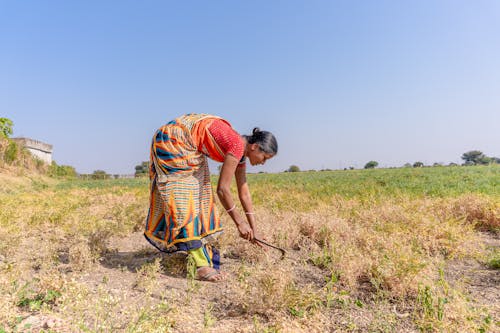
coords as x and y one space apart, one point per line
224 194
245 196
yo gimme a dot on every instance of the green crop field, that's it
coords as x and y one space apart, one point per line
382 250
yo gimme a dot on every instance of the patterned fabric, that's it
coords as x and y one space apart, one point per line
182 211
174 150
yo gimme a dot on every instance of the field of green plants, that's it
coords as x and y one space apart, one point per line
381 250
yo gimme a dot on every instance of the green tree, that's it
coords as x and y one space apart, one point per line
64 171
6 127
142 169
485 160
100 174
293 168
12 152
473 157
418 164
371 165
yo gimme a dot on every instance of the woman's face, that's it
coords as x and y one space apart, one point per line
256 155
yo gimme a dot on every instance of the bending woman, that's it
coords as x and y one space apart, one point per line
182 214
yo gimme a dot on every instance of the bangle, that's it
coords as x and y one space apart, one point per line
231 209
250 213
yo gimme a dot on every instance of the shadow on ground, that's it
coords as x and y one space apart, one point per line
173 265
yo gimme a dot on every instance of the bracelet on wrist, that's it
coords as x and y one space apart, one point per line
231 209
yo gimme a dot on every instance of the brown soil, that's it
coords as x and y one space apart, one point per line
477 279
118 268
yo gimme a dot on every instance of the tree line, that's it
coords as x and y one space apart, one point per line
12 154
473 157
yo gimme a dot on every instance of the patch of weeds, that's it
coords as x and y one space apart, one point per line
297 312
322 260
191 268
192 283
485 325
331 289
359 303
104 308
432 307
242 277
34 301
384 321
98 242
493 260
208 317
341 300
160 318
276 291
258 327
324 237
80 256
300 301
494 263
147 277
175 264
39 185
11 152
352 326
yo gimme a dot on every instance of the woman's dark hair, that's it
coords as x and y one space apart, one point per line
266 141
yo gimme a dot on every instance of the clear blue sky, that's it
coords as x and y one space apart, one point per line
339 83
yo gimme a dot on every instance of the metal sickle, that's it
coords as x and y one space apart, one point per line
283 252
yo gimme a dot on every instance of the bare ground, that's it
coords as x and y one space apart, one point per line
117 277
477 279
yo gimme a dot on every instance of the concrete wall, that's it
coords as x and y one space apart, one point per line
40 150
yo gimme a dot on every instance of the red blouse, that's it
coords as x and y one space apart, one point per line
227 138
215 138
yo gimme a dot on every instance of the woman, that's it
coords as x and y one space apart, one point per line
182 214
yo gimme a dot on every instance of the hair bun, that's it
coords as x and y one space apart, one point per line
266 140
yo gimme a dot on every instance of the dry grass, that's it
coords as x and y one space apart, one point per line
15 159
72 259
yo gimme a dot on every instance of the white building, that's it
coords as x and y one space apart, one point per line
40 150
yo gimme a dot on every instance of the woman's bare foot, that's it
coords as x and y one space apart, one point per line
209 274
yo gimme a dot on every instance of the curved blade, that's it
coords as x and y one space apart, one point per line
283 252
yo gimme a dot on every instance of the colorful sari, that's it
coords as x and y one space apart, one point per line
182 214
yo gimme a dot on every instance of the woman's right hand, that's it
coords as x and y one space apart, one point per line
245 231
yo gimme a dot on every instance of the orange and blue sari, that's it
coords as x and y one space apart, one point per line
182 214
